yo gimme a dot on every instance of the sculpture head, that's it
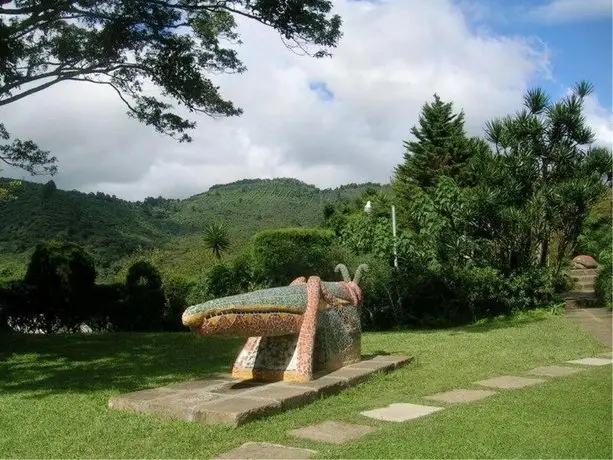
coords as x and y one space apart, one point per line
353 284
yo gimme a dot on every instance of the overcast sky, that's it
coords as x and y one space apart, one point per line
332 121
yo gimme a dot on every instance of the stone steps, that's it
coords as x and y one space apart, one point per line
582 295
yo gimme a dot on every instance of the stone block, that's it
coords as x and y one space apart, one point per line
238 387
509 382
374 366
592 361
225 400
179 405
398 360
264 450
351 376
332 432
200 385
288 395
234 410
137 399
324 385
400 412
554 371
461 396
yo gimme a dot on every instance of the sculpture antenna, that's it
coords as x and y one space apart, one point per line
344 272
358 273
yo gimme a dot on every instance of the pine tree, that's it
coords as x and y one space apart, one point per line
440 147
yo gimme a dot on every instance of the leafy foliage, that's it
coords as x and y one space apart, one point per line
280 256
604 282
131 45
551 175
63 277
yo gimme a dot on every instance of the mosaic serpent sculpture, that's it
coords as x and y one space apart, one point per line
292 331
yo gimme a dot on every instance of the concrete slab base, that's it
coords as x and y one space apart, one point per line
509 382
332 432
554 371
400 412
257 450
592 361
224 400
461 396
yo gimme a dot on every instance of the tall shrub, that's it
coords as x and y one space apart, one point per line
63 275
281 255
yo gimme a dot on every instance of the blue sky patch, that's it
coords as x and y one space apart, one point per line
578 34
322 90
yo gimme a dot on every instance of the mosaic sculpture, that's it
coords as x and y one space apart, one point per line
292 331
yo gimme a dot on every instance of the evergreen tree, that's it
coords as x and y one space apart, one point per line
440 148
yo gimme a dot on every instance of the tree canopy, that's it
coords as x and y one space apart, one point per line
176 45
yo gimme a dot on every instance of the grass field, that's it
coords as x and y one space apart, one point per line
54 389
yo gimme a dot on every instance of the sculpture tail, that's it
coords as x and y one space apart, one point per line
358 273
344 272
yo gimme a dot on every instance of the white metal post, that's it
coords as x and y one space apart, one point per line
394 233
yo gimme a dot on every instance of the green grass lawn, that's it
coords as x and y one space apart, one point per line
54 390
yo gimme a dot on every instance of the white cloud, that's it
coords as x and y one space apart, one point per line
601 122
572 10
393 57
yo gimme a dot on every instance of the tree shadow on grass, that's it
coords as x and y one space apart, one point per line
123 362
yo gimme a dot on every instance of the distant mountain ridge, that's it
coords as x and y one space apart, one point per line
113 229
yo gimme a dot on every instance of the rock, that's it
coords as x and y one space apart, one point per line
584 262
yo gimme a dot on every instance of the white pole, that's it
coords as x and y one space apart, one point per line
394 233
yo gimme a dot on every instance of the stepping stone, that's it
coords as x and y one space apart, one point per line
461 396
400 412
592 361
509 382
332 432
555 371
257 450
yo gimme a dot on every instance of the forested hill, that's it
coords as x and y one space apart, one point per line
112 229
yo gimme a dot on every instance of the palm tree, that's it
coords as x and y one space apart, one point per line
216 238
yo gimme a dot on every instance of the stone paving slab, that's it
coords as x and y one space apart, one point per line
286 395
233 410
326 384
332 432
592 361
222 399
400 412
264 450
461 396
352 376
554 371
509 382
396 359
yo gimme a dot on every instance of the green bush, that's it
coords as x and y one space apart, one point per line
145 303
17 305
64 277
108 307
279 256
604 281
176 291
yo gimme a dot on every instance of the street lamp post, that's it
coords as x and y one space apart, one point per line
368 210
